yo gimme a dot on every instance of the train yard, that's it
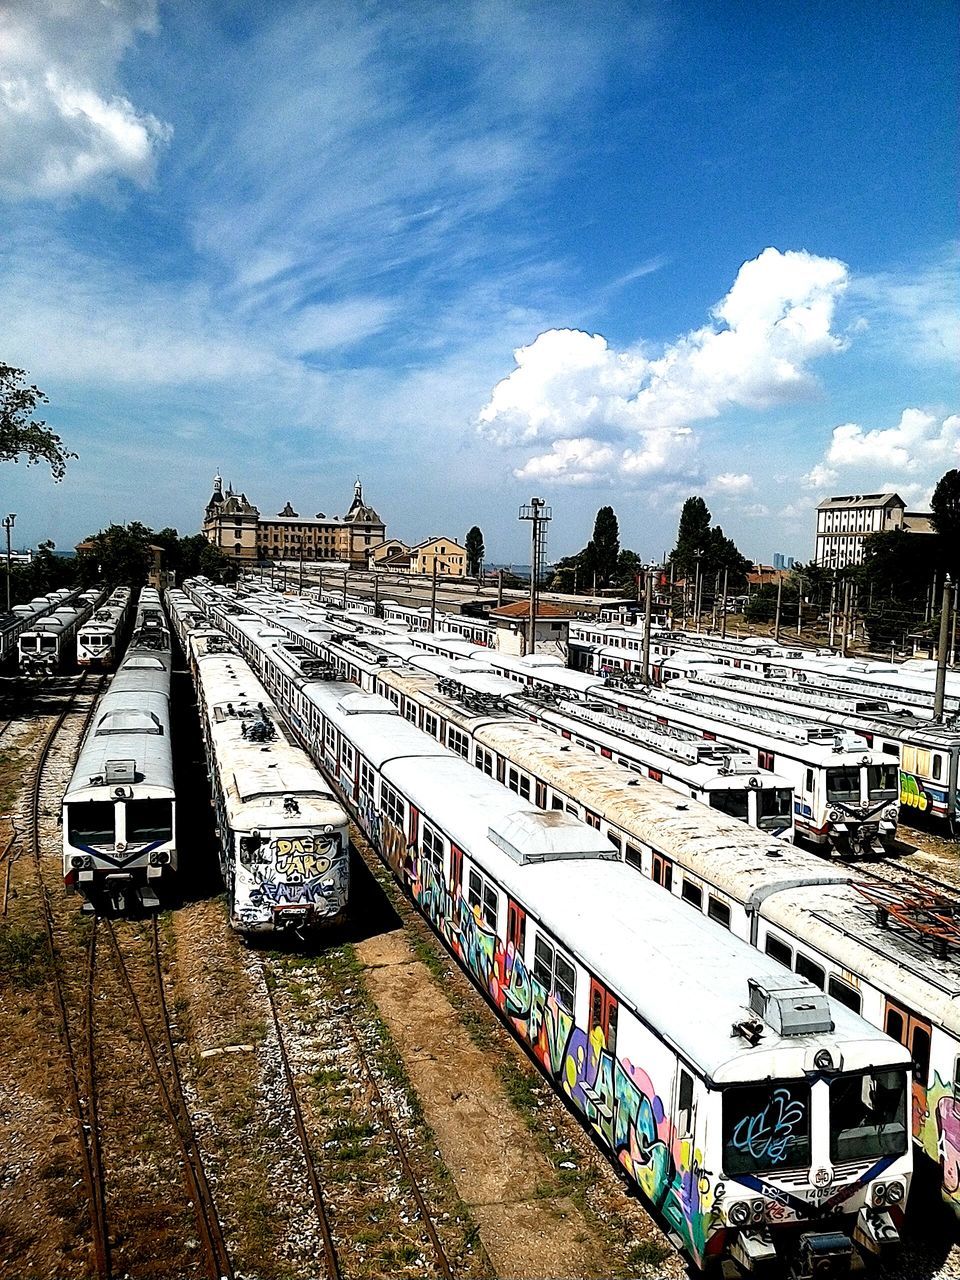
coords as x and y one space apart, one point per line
295 1077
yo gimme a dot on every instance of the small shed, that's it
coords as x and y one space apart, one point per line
512 623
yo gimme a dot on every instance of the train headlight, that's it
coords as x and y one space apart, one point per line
878 1194
159 857
757 1207
834 815
890 814
739 1213
895 1192
822 1060
78 861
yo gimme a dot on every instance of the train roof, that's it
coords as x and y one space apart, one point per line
379 731
891 958
125 729
259 775
675 968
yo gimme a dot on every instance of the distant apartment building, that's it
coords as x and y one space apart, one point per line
394 556
843 523
235 525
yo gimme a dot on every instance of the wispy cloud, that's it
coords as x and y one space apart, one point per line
915 312
66 128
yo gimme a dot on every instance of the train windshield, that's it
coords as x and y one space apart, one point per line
766 1127
732 803
868 1115
884 781
843 785
47 644
149 820
776 807
90 823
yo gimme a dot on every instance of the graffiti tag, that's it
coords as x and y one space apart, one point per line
767 1133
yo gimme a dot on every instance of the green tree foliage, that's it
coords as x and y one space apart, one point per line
700 540
603 549
20 433
945 505
601 560
122 554
46 572
473 545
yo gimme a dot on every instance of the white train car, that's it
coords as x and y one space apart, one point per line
48 644
900 971
284 838
22 616
98 639
550 924
119 810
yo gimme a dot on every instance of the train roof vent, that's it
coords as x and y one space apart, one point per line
792 1006
354 704
128 720
143 663
116 771
547 837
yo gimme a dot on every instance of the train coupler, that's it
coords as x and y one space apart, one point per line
875 1231
823 1255
754 1251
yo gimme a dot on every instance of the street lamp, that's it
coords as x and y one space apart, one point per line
8 524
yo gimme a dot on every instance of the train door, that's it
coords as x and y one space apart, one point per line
456 871
604 1012
516 927
662 872
913 1032
413 839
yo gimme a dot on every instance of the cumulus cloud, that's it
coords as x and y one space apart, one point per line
755 353
918 441
730 482
819 477
65 127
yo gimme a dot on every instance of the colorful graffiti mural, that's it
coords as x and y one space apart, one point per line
617 1098
303 869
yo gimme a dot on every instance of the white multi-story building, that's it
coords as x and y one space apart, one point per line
844 522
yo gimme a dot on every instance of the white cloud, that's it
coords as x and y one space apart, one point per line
730 482
755 510
570 462
819 477
917 442
65 128
773 323
914 313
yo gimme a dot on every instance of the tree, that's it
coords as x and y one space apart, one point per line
945 506
693 533
20 433
603 549
473 545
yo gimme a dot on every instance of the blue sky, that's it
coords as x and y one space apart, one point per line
608 253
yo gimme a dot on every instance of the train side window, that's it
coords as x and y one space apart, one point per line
543 962
685 1104
430 724
936 769
890 749
807 969
410 711
482 895
615 841
347 756
921 1054
564 982
485 761
392 805
895 1025
809 785
779 950
330 737
718 911
432 847
692 893
846 994
633 857
765 760
557 803
458 742
662 871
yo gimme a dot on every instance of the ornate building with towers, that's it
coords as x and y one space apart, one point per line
234 525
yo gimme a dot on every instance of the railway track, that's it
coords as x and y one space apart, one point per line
331 1250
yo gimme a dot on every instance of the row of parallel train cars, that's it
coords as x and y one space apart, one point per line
746 1027
54 632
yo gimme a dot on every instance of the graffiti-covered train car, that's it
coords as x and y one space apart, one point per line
284 842
754 1112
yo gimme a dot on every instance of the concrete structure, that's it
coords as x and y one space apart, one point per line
234 525
843 523
512 626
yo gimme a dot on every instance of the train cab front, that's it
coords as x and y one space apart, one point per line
290 880
817 1171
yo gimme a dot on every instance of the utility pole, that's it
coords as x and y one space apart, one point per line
723 619
8 524
776 623
376 594
300 570
833 610
344 590
672 571
538 513
799 603
941 685
845 621
696 589
647 618
433 595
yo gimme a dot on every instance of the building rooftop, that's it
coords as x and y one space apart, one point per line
521 609
862 500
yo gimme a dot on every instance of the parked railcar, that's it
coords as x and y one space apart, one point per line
901 978
284 838
48 644
22 616
119 810
549 923
99 638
